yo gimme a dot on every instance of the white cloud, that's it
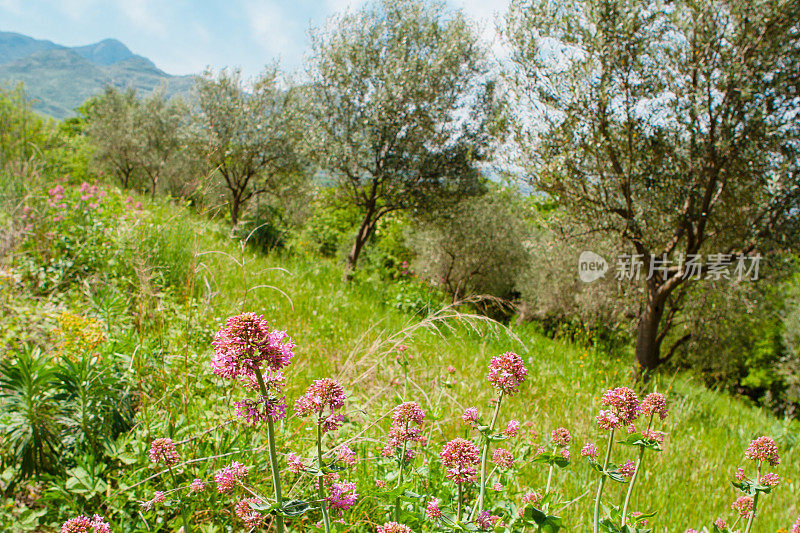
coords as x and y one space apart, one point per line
141 14
11 6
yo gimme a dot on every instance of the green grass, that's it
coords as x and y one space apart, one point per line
348 331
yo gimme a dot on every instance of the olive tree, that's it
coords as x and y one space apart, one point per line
672 125
247 137
111 131
396 111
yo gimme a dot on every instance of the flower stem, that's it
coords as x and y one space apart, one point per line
273 456
186 527
485 455
600 487
755 502
635 475
460 498
321 486
400 476
550 474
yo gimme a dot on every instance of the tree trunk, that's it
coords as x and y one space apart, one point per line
235 207
364 231
648 344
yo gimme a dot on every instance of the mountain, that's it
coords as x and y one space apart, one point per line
59 78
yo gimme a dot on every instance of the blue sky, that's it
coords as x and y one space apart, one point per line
185 36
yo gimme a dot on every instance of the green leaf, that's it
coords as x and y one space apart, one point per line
294 508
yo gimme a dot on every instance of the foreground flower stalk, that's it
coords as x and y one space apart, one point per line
485 455
606 461
273 456
321 480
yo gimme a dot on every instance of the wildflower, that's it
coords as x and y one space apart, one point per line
470 416
763 449
159 497
163 451
497 487
770 479
560 436
329 479
432 511
262 409
345 454
511 429
655 404
796 528
690 530
459 456
503 458
607 420
506 372
623 403
322 393
532 498
295 463
380 483
229 476
342 495
331 422
197 485
84 524
565 454
274 381
451 369
246 343
720 523
636 514
247 514
394 527
743 504
631 429
627 469
406 419
653 436
486 520
740 475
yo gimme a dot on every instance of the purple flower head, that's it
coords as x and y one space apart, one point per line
247 343
763 449
295 463
229 476
342 495
247 514
503 458
486 521
394 527
560 437
262 409
655 404
627 469
506 372
344 454
770 479
459 456
623 403
511 429
84 524
432 511
322 393
589 450
163 451
197 485
744 505
607 420
470 416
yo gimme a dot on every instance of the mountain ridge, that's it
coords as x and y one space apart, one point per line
58 79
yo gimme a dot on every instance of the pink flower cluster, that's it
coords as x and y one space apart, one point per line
624 408
470 416
627 469
197 485
342 495
506 372
486 521
163 451
511 429
394 527
274 381
460 456
432 511
247 343
743 504
655 404
796 528
322 393
406 427
247 514
770 479
84 524
763 449
295 463
589 450
229 476
560 437
503 458
532 498
262 409
344 454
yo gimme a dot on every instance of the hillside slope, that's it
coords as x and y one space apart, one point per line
163 280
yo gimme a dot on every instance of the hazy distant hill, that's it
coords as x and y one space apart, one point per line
60 78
